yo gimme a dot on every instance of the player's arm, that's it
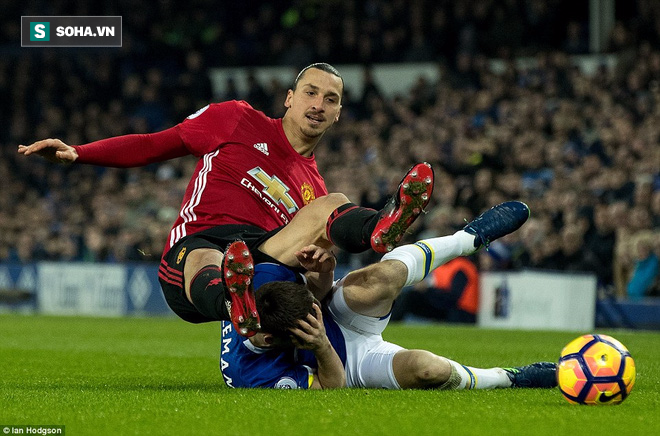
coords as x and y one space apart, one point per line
310 335
320 264
120 151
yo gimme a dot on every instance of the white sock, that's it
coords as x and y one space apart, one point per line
479 378
426 255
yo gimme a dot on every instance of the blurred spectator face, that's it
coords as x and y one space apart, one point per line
643 245
532 233
655 203
643 192
315 104
639 218
618 212
194 61
483 180
552 245
571 240
510 183
591 165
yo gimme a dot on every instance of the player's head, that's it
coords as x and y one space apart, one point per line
280 306
314 101
323 67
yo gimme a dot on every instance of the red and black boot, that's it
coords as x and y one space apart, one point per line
401 210
238 272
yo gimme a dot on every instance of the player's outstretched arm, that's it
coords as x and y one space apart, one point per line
120 151
310 335
53 150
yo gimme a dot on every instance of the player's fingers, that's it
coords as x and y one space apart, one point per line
310 249
317 311
300 336
47 143
304 326
37 146
312 323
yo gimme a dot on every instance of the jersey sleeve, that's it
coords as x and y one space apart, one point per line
132 150
209 127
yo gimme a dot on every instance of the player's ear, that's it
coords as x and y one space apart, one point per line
338 113
269 339
289 96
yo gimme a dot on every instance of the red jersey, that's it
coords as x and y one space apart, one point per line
248 172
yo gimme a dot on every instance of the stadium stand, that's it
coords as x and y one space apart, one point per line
581 149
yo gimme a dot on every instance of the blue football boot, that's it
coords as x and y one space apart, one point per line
535 375
497 221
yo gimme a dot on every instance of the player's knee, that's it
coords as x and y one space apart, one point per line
335 199
430 370
325 205
316 214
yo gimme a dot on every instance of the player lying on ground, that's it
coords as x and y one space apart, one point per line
304 344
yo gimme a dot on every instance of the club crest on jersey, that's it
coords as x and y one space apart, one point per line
307 192
179 257
262 147
286 383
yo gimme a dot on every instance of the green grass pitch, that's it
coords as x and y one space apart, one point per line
160 376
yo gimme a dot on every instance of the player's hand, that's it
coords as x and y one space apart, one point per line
316 259
310 333
52 150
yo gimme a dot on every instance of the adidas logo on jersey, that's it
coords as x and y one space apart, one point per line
262 147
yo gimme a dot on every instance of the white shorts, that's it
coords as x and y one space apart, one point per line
368 356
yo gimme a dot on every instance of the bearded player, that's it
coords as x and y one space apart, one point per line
253 176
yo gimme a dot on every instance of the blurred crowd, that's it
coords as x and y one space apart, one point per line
581 150
298 32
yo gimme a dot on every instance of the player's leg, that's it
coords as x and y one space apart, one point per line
307 227
374 363
219 285
356 229
421 369
334 220
426 255
207 277
203 267
371 290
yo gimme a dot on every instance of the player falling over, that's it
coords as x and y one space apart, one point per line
267 165
307 344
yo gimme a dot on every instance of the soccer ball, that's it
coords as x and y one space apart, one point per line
595 369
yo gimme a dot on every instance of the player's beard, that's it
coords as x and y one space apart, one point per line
312 131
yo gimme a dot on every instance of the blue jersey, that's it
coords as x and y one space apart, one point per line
244 365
